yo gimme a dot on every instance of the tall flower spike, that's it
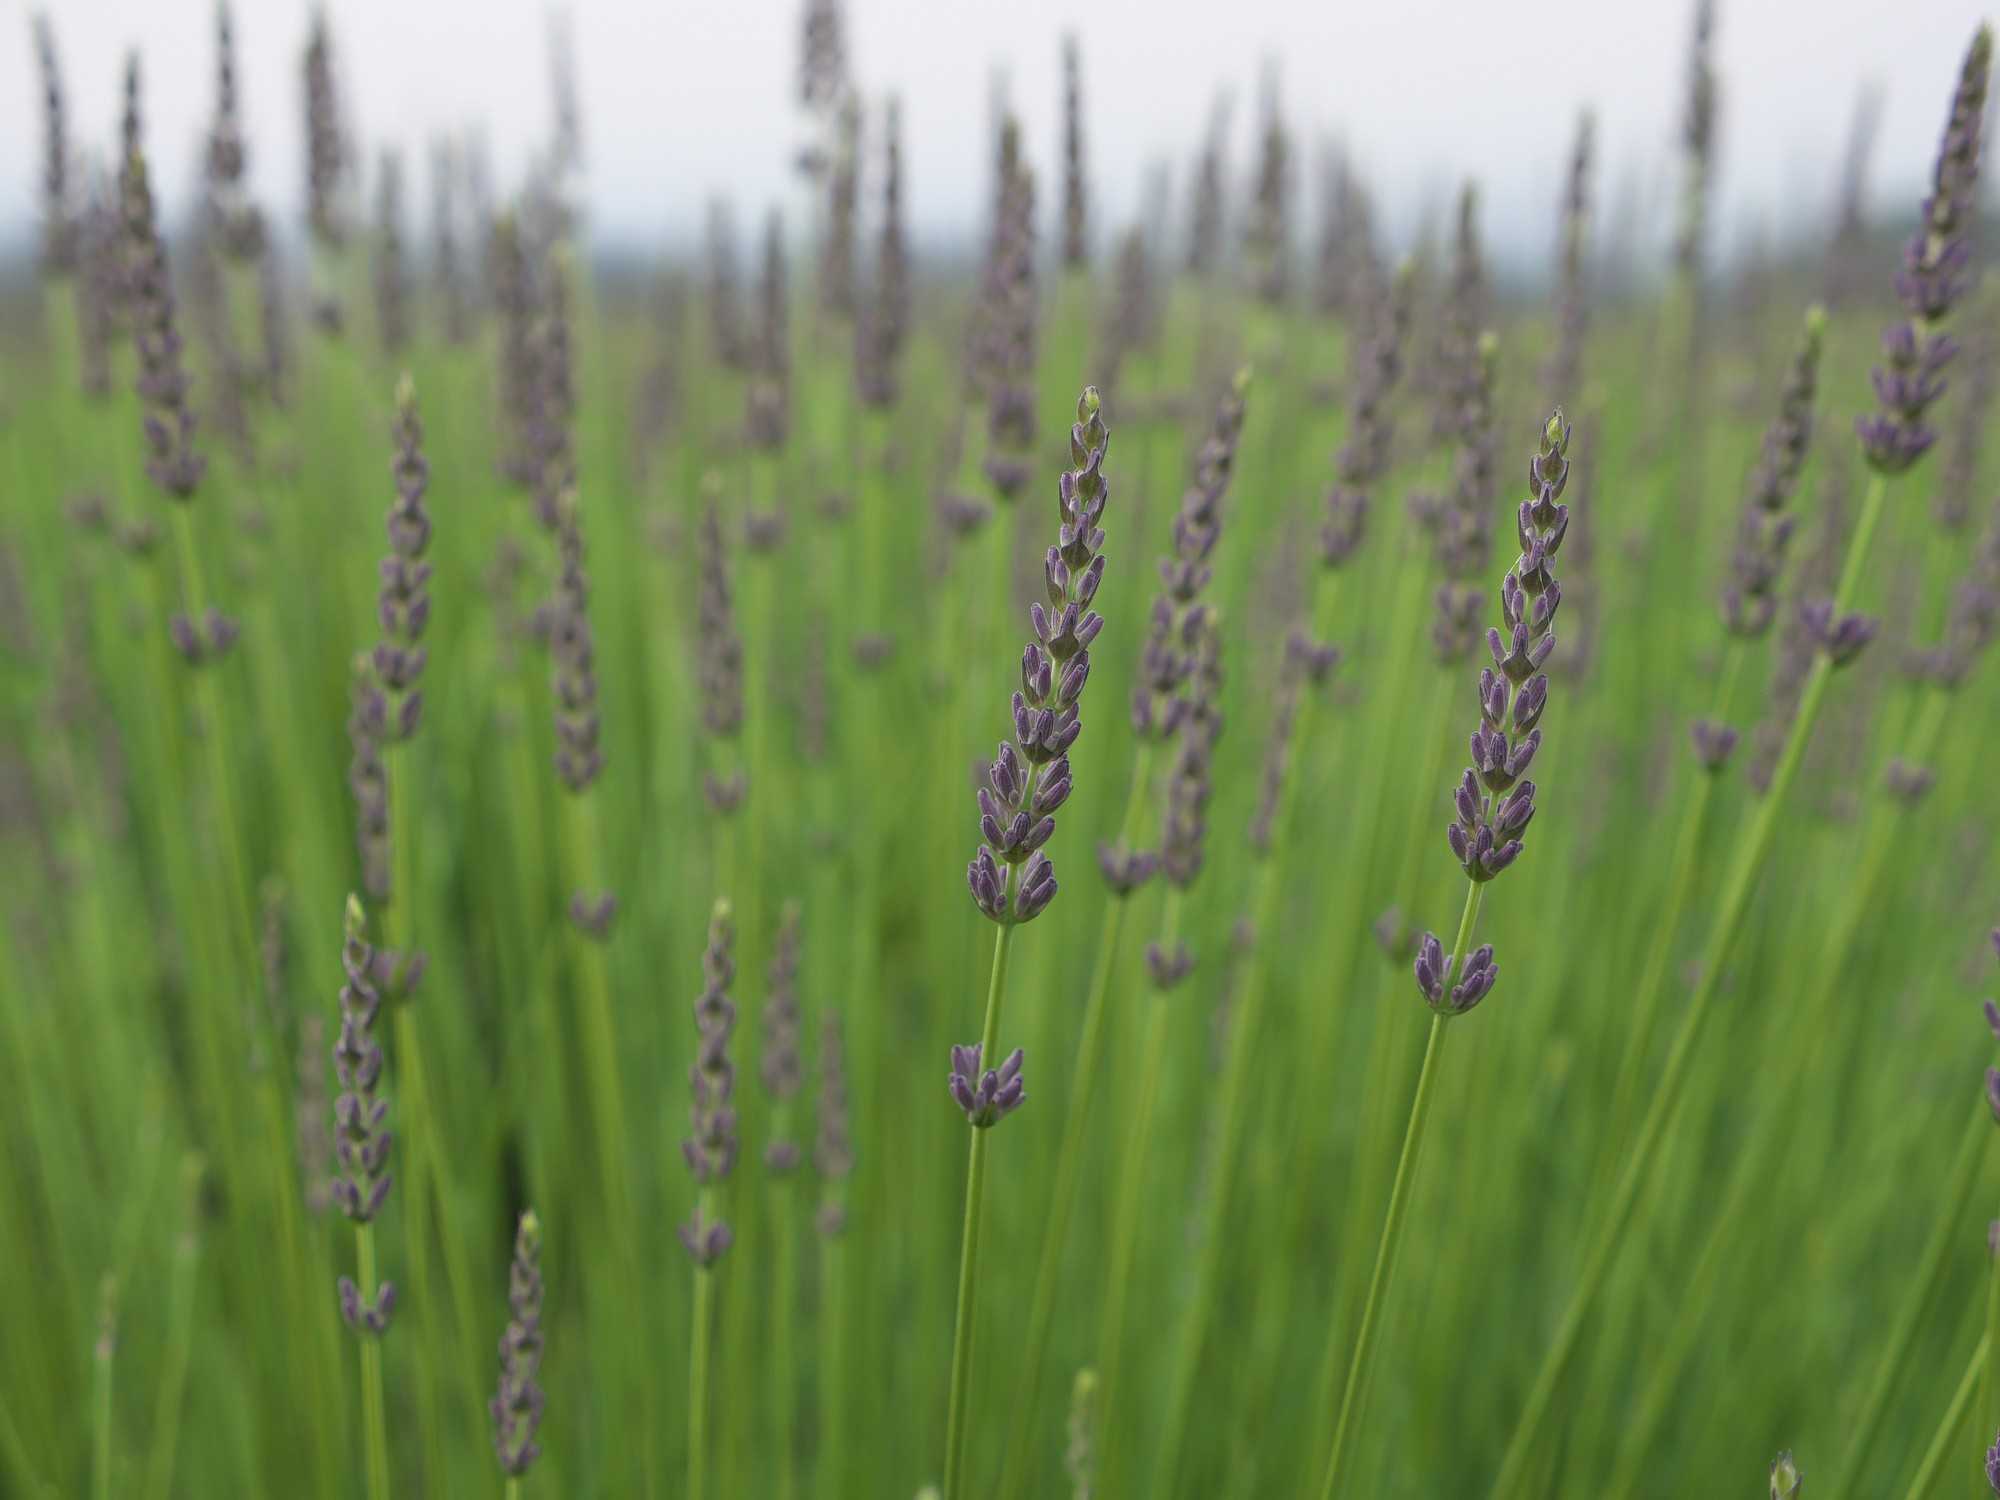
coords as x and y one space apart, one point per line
1564 368
767 412
59 238
1076 191
1010 330
882 328
516 1407
843 201
238 225
1267 237
367 777
579 758
779 1066
360 1114
1383 313
392 291
1749 602
711 1147
1167 659
163 385
1934 274
1697 140
719 663
1495 801
403 605
1012 880
326 150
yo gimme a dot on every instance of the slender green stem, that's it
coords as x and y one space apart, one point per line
1989 1380
1069 1155
698 1358
832 1467
784 1225
513 1490
374 1418
1923 1290
1130 1205
1952 1424
968 1258
1386 1253
100 1467
1735 903
173 1379
1231 1113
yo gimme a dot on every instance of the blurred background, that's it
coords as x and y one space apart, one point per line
684 103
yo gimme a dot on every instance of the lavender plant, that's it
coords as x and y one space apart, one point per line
710 1150
517 1403
1012 879
1494 804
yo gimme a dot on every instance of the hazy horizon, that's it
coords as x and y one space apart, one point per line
677 111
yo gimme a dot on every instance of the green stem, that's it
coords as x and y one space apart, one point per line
1069 1155
783 1363
1923 1290
968 1259
832 1468
1131 1200
1735 903
704 1292
1232 1111
513 1490
1359 1368
100 1468
1989 1380
167 1413
1954 1421
374 1420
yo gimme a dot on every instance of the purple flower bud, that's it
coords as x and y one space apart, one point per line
989 1097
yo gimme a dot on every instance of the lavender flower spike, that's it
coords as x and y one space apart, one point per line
360 1113
163 385
1012 880
711 1147
403 605
516 1407
1934 275
987 1098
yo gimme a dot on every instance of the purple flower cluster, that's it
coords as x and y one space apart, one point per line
989 1097
1012 880
711 1148
1934 275
403 604
163 384
360 1114
1495 802
516 1407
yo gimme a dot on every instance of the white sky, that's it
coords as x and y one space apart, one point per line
685 98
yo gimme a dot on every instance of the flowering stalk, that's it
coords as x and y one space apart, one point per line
1159 709
362 1150
833 1159
1495 802
1892 441
781 1072
517 1403
1012 880
1749 606
710 1150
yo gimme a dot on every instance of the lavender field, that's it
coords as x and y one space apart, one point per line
852 854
